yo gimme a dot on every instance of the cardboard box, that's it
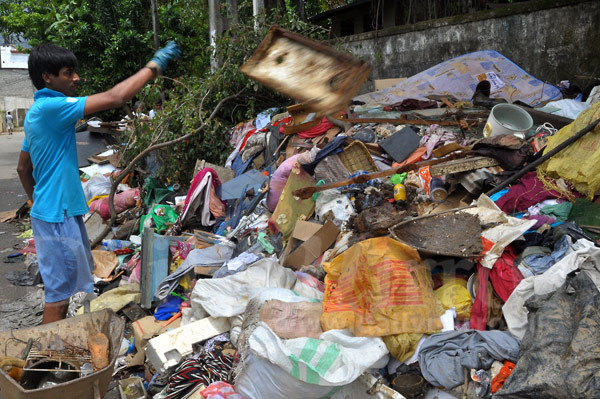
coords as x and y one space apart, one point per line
383 83
315 239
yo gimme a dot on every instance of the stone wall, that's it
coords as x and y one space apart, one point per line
15 83
552 40
16 95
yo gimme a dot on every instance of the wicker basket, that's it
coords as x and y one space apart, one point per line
357 157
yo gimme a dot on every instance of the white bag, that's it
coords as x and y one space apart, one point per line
304 367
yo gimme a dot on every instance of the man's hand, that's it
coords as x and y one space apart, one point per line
161 58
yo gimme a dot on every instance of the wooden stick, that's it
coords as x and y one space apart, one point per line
307 192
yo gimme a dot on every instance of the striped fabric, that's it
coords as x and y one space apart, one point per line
209 368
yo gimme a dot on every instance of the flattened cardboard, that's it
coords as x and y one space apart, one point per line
316 239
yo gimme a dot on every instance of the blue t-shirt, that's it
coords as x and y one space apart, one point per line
50 142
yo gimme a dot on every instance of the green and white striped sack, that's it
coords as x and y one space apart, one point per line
337 358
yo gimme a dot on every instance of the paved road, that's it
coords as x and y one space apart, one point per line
12 196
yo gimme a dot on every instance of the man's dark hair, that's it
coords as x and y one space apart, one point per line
48 58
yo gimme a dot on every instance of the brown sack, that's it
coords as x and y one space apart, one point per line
293 319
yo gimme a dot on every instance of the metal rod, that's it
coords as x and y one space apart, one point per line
544 158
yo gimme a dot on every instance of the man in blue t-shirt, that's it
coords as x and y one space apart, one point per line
48 167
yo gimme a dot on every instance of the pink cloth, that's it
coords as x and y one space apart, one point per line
527 192
220 390
122 202
541 220
279 179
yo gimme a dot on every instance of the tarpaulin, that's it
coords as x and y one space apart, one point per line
460 76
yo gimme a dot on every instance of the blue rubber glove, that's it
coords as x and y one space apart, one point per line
161 58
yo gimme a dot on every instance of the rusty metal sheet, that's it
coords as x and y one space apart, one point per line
306 70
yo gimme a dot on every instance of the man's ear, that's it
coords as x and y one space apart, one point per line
46 77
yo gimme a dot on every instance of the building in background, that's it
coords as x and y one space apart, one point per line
16 89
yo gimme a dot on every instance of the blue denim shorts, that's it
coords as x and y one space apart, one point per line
64 257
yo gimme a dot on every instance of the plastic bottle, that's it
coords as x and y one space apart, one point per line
113 245
399 188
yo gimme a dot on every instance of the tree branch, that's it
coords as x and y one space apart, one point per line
119 178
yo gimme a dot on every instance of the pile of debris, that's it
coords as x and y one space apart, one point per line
429 239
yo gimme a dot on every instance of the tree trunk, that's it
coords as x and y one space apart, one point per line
155 24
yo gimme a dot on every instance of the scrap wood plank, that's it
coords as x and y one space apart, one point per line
398 121
461 165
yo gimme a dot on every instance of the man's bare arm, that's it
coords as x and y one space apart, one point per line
25 171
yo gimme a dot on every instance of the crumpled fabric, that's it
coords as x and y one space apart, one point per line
444 356
239 132
527 192
210 256
535 209
585 256
436 136
539 263
238 264
479 310
509 150
166 310
208 368
335 146
254 145
220 390
559 211
541 220
411 104
202 195
316 131
504 275
560 354
122 201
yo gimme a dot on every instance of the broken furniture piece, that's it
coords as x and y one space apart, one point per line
306 70
155 263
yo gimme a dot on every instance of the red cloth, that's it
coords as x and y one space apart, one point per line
504 275
283 122
527 192
250 133
479 310
318 130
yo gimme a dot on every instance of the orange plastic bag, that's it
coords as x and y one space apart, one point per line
379 287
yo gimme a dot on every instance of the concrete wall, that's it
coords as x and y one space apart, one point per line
15 83
552 40
16 95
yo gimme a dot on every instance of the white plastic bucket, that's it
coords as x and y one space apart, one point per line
508 119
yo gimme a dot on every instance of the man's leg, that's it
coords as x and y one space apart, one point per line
54 311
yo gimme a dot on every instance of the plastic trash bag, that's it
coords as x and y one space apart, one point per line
379 287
